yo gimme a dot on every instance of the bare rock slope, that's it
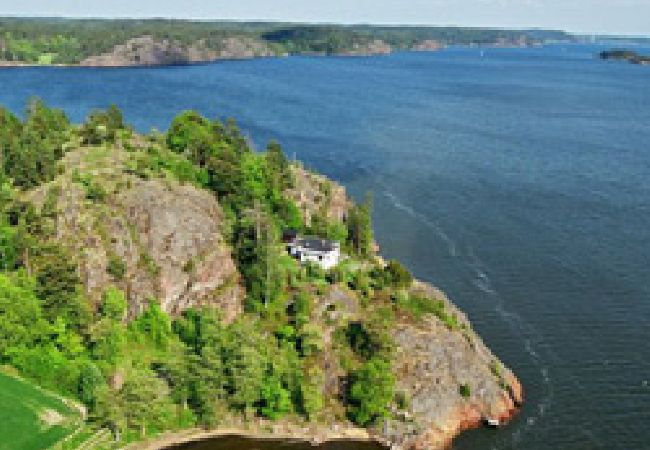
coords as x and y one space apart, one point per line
149 51
153 238
452 380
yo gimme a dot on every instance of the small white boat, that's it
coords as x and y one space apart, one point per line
492 423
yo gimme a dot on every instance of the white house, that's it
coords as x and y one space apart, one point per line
320 251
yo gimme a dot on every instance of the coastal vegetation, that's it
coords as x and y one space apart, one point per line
184 370
46 41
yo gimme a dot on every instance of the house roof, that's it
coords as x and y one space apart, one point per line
316 244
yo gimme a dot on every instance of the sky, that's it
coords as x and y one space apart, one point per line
586 16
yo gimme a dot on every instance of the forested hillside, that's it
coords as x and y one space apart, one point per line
145 276
68 41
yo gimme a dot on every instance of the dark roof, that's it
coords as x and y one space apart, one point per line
316 244
289 235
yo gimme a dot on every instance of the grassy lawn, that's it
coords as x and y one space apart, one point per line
32 419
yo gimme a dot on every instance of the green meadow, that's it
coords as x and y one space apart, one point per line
30 418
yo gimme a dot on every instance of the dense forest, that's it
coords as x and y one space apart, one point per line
68 41
138 375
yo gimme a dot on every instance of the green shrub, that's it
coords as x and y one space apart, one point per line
398 275
420 305
116 266
189 266
371 391
148 263
464 390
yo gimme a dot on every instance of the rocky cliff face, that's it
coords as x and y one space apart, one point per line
316 194
154 238
149 51
428 45
374 47
432 364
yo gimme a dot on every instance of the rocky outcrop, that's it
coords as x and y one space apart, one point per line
373 47
625 55
178 229
428 45
317 194
149 51
432 361
452 382
153 238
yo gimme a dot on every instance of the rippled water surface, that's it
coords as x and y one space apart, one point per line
518 181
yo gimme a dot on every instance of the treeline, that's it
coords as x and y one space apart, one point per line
69 41
158 372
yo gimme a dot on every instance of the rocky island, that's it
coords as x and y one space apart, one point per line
157 290
626 55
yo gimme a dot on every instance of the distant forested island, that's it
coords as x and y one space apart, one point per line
103 42
626 55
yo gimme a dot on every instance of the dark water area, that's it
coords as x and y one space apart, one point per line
517 180
241 443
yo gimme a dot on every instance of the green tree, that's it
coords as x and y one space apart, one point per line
275 398
58 286
113 304
398 275
278 167
21 322
311 392
191 134
90 383
32 151
371 391
146 398
154 325
108 342
360 233
8 246
246 364
102 126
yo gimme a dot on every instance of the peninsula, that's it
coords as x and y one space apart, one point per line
148 277
123 43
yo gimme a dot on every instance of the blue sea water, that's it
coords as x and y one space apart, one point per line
517 180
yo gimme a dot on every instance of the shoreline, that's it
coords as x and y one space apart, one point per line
171 440
23 64
321 434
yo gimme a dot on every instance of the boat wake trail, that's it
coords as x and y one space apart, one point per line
533 342
451 245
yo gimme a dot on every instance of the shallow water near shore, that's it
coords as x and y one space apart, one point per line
241 443
517 180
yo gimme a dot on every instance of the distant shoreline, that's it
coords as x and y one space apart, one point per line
23 64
